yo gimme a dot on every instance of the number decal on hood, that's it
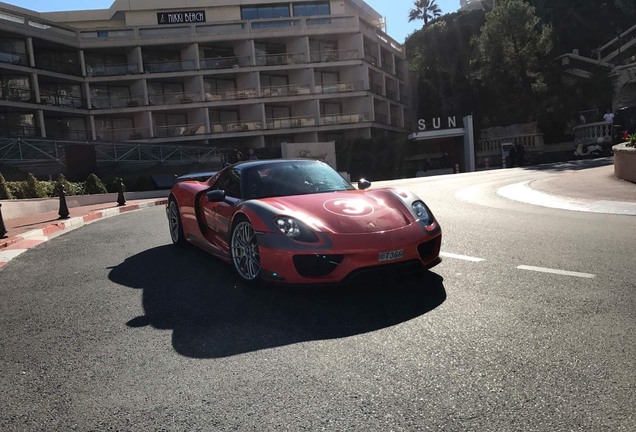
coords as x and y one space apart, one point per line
349 207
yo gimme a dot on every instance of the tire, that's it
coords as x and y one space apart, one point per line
244 249
174 223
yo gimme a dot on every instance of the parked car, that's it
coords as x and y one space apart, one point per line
299 221
624 124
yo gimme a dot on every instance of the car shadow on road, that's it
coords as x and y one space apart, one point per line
213 314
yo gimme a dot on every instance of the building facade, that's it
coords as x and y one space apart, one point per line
228 73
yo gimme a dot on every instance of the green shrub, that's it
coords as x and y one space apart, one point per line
5 192
94 185
61 181
34 188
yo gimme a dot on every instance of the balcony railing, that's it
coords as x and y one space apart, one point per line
112 69
19 131
179 130
171 66
279 59
335 119
531 142
291 122
334 55
62 100
119 102
12 57
224 62
340 87
70 134
592 133
236 126
121 134
15 94
173 98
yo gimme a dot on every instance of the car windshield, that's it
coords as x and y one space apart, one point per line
293 178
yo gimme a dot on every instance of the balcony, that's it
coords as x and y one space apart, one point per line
15 94
334 55
170 66
279 59
112 70
338 119
224 62
15 58
61 99
120 102
174 98
179 130
291 122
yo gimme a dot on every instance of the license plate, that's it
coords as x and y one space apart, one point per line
390 255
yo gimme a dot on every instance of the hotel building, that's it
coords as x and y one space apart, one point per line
222 74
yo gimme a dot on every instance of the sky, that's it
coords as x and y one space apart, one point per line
396 12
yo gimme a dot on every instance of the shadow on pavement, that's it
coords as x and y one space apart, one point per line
572 165
213 314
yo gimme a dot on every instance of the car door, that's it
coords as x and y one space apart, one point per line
218 215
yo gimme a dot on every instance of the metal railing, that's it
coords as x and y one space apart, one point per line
290 122
112 69
224 62
15 94
118 102
29 151
173 98
13 57
334 55
179 130
344 118
169 66
62 100
279 59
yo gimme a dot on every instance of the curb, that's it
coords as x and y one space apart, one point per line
34 237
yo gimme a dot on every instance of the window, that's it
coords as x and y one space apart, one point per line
311 9
264 11
230 182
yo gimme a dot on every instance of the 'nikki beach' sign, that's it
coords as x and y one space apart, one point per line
180 17
437 123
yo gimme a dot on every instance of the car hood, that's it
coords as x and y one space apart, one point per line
346 212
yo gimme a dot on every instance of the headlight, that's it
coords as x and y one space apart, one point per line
421 212
294 229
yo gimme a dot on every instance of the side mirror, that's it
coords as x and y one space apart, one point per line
364 184
216 195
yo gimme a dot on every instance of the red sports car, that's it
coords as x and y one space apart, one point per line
299 221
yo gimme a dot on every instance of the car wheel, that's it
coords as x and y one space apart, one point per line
174 223
245 254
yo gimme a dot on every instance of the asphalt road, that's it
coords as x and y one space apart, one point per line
528 324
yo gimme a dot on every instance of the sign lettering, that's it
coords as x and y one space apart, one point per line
180 17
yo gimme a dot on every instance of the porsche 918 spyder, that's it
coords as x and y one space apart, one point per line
299 221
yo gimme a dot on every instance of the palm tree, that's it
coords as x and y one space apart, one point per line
424 10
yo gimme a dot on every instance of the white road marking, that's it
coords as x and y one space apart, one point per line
556 271
460 257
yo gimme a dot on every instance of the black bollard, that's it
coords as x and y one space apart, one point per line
121 200
63 207
3 230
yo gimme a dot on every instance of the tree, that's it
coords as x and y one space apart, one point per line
425 10
513 53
